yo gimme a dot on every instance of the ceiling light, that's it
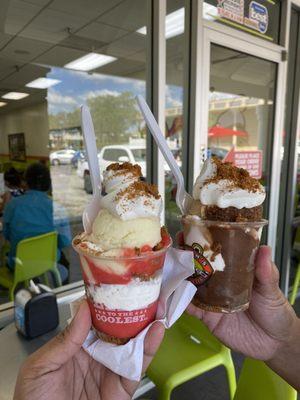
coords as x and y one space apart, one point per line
174 24
90 61
42 83
2 104
14 96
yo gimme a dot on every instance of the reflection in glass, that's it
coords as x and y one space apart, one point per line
174 107
290 195
55 57
241 110
294 271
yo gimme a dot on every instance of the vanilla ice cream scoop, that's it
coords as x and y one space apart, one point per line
111 232
130 211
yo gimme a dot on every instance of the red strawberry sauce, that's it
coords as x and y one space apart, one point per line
146 265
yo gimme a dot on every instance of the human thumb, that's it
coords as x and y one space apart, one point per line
66 344
266 274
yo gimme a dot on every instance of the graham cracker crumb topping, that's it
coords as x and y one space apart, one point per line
139 188
238 176
120 168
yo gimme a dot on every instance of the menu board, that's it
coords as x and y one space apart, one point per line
260 18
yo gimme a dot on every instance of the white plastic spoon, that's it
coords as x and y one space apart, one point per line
183 199
91 210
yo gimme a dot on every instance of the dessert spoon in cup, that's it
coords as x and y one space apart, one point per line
183 199
91 210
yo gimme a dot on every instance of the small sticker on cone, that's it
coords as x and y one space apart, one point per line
203 269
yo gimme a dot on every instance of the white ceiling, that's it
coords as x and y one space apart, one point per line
59 56
27 49
41 3
129 15
28 73
100 31
52 26
55 32
84 8
18 14
4 38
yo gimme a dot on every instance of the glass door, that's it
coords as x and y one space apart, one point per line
241 96
241 110
288 253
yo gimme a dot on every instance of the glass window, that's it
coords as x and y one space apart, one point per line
288 232
174 104
292 266
139 154
54 57
241 110
259 18
115 155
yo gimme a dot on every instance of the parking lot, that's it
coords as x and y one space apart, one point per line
71 199
67 190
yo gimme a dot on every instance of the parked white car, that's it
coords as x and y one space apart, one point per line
61 156
110 154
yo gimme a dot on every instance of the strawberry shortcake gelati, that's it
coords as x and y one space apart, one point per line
123 256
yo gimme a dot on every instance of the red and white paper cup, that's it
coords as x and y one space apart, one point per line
122 291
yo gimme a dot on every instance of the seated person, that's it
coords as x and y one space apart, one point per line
32 215
13 187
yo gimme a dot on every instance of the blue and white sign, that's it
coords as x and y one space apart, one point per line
258 14
258 17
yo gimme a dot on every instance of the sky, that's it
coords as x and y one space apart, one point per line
75 87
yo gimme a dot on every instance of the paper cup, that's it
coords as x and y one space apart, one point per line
224 255
122 292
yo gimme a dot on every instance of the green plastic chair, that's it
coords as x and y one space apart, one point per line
258 382
296 284
34 257
188 350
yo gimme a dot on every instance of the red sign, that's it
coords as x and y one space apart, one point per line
249 160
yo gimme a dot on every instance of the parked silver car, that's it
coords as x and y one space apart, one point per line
61 156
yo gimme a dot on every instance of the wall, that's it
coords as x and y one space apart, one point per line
33 122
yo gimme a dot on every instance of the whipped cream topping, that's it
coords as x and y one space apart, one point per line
222 195
113 180
129 203
208 171
224 192
126 196
135 295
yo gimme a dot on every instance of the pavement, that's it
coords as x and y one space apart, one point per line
67 190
